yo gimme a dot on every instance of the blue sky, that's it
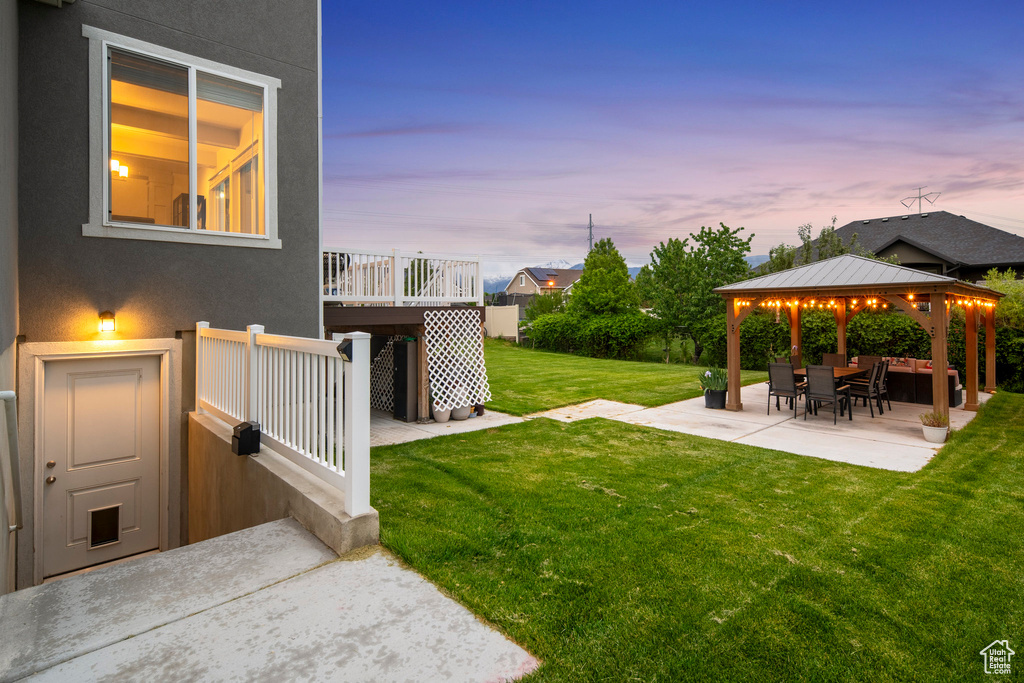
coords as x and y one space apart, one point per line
496 128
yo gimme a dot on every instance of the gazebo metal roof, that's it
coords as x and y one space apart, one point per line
852 274
847 285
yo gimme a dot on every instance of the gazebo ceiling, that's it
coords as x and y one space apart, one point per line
849 274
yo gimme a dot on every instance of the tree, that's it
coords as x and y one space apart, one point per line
828 245
604 287
542 304
684 276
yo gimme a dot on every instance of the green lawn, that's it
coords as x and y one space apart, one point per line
527 381
615 552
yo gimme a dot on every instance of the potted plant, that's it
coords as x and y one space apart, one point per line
714 382
935 426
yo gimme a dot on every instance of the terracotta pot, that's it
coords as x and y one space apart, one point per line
935 434
714 398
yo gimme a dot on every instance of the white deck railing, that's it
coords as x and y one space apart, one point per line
395 279
313 406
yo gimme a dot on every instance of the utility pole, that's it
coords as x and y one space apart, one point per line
590 237
909 201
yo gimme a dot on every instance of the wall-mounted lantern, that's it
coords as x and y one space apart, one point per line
106 321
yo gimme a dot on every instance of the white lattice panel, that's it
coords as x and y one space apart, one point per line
382 384
455 358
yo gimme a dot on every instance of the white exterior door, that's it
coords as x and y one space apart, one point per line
100 460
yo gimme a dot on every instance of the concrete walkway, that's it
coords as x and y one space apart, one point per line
892 441
270 603
385 430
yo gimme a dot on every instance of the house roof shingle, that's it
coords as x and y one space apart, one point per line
954 238
562 277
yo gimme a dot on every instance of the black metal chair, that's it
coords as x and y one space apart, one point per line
836 360
782 383
822 389
867 389
883 386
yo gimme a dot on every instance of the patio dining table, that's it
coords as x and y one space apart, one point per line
838 373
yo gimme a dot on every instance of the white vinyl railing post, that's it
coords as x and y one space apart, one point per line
357 425
200 326
252 381
479 282
396 272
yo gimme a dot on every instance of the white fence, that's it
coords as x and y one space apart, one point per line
312 405
365 277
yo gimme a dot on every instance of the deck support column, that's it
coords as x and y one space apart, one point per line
796 346
840 313
971 333
732 332
940 359
990 350
423 400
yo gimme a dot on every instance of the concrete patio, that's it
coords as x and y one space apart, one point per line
385 430
892 441
269 603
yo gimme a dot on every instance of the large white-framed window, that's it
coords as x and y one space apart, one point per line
182 149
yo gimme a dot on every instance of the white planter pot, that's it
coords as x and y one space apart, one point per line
461 413
935 434
442 415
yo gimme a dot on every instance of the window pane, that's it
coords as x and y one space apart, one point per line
148 141
229 118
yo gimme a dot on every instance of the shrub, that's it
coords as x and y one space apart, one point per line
621 335
616 336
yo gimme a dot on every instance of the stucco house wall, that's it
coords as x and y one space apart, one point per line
158 288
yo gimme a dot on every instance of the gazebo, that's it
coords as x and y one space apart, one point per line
847 285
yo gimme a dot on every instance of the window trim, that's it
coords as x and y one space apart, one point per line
99 224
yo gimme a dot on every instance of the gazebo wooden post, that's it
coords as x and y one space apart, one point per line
732 328
971 332
940 361
796 346
840 313
990 350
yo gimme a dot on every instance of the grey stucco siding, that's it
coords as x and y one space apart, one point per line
159 288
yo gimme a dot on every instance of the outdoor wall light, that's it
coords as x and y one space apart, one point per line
106 321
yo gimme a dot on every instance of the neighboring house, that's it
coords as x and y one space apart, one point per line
939 242
543 280
160 163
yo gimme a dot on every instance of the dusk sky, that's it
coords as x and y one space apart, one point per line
496 128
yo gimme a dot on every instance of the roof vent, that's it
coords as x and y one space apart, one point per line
904 218
924 215
885 220
866 222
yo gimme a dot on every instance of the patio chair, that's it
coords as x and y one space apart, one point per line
881 388
782 382
867 389
794 360
822 389
836 360
867 361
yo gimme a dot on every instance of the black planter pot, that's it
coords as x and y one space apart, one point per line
714 398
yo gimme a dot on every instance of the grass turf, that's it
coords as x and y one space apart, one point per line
527 381
616 552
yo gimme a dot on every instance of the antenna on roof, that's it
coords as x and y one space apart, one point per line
590 236
931 197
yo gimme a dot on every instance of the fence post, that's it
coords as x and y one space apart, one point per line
396 271
357 425
252 374
200 326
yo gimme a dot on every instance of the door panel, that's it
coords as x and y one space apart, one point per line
101 455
